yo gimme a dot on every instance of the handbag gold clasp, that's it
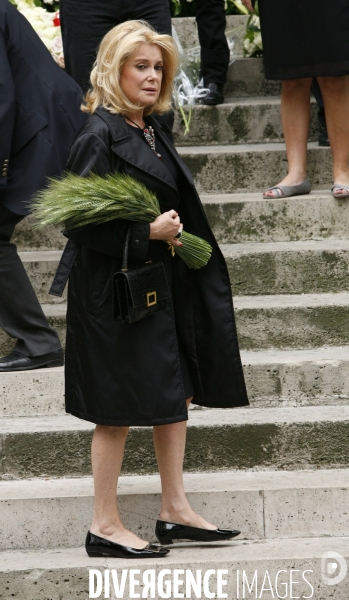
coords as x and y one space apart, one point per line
151 298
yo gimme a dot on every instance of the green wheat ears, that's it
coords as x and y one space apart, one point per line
77 201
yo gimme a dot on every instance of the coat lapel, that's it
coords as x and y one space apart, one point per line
127 147
172 150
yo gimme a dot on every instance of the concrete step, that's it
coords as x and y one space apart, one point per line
63 574
250 167
274 378
187 33
41 268
246 439
306 267
246 78
292 321
237 121
238 218
254 268
247 217
263 322
51 513
28 238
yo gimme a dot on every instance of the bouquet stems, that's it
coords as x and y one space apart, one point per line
77 201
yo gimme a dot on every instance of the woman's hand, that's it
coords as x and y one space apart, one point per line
166 227
248 4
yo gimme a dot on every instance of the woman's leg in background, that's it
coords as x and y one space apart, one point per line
169 443
107 453
335 91
295 116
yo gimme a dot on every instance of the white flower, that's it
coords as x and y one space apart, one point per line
248 46
61 60
258 40
57 44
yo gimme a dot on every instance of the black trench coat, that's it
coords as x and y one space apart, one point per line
129 374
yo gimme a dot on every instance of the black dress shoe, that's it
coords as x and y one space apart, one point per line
166 532
214 95
97 546
20 362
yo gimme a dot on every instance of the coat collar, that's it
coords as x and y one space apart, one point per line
126 145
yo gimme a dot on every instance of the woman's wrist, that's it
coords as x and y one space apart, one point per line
152 231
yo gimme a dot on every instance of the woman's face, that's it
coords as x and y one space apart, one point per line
142 75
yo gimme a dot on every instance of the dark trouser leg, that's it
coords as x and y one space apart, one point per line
21 315
210 18
84 24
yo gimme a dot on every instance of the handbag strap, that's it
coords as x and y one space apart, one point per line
125 252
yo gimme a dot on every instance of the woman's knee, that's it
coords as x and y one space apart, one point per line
290 86
333 84
111 432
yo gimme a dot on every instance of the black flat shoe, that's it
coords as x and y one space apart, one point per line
166 532
20 362
97 546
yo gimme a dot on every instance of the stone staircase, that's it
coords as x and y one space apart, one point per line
277 470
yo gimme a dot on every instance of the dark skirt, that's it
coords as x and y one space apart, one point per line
305 38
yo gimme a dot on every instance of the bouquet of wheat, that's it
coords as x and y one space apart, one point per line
77 201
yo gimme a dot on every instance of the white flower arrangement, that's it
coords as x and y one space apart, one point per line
46 24
253 45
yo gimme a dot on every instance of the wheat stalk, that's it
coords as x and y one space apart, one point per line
77 201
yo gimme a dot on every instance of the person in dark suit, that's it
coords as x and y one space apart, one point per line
39 117
144 373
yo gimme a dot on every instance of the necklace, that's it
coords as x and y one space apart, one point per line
149 135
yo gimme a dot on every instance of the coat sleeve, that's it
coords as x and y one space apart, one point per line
7 111
89 153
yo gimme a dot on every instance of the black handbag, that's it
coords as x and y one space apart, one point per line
139 292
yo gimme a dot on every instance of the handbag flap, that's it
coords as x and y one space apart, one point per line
148 284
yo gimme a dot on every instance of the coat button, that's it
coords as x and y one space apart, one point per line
4 173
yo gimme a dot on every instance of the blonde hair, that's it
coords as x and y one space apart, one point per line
116 47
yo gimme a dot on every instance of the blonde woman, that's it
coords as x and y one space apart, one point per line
148 372
302 40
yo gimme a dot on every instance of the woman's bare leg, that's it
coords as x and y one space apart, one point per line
169 443
335 91
107 453
295 116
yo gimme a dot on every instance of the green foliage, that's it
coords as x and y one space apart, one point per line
77 201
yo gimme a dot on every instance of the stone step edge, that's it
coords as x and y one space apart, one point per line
233 552
248 357
55 512
257 197
282 301
198 418
229 250
225 481
242 148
